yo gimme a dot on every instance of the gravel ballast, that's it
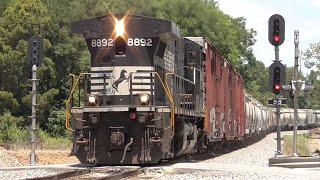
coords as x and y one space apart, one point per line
250 162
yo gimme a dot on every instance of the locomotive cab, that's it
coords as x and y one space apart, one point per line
126 51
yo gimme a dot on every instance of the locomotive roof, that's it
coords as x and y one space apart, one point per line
136 26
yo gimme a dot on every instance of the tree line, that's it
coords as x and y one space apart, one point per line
65 54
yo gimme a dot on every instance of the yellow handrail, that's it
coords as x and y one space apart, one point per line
68 106
172 116
170 99
167 86
68 109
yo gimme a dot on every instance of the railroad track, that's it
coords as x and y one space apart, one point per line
105 172
74 171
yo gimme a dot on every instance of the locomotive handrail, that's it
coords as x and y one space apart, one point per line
68 106
172 74
171 100
167 86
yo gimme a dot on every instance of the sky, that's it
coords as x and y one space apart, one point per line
302 15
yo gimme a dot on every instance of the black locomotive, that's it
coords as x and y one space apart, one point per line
143 100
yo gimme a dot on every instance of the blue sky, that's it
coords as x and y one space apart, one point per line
302 15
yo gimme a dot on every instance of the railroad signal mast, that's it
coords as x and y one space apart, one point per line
277 71
35 56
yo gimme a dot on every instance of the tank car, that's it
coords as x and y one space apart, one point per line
307 118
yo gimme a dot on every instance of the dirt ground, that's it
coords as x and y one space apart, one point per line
45 157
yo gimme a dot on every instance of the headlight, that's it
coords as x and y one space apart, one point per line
119 27
92 100
144 99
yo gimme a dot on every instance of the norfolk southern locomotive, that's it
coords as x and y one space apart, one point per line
153 95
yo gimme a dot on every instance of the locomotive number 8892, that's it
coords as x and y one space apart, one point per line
150 94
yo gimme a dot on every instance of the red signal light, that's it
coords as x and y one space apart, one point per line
276 88
276 38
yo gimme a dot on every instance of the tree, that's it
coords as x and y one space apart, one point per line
198 18
313 96
312 56
56 123
21 19
3 6
7 102
9 130
46 104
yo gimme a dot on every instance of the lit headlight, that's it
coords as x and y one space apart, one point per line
144 99
92 99
119 27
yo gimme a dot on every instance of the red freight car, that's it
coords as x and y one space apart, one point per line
224 100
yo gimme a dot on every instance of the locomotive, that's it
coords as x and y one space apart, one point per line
153 95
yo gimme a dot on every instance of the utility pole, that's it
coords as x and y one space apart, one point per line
295 95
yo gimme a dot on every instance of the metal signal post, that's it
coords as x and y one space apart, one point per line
276 36
33 156
295 96
35 55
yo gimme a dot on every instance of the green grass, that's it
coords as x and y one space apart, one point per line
48 142
302 149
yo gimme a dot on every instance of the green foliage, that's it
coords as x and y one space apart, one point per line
312 57
21 19
313 97
56 123
46 103
256 77
198 18
49 142
10 133
3 5
7 102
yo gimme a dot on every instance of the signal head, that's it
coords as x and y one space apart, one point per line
277 72
276 30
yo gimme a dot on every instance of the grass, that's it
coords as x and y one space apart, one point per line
302 149
48 142
43 140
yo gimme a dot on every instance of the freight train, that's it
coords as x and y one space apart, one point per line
152 95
